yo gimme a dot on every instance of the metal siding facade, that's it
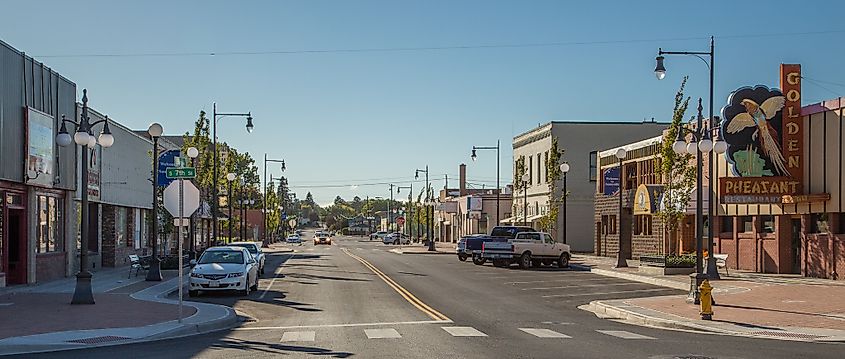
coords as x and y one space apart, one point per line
24 82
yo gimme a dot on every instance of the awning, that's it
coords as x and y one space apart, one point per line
508 220
535 217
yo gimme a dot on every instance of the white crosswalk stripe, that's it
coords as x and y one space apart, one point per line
624 334
464 332
386 333
298 336
544 333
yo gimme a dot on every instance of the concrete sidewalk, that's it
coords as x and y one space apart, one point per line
127 310
418 248
765 306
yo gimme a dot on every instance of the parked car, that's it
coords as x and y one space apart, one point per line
255 250
528 249
322 238
378 235
224 268
294 239
473 243
396 238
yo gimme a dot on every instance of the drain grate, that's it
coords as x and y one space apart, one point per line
98 340
786 334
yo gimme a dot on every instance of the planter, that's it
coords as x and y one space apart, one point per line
665 271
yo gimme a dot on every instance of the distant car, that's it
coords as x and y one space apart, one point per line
378 235
294 239
256 252
396 238
224 268
322 238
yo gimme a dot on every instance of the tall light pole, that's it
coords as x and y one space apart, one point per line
564 168
230 197
154 274
389 202
525 177
701 143
621 260
428 196
265 242
83 294
410 210
249 127
660 72
498 172
281 206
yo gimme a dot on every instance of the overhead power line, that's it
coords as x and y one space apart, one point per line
425 48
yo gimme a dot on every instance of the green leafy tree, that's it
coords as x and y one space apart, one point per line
553 174
519 170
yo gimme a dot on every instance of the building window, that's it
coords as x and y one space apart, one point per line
593 163
819 223
642 225
611 224
746 224
120 227
530 170
727 224
49 231
539 170
768 223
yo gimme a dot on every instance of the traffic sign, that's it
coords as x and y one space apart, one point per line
190 202
181 172
400 221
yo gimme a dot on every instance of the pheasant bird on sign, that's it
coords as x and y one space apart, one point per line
757 115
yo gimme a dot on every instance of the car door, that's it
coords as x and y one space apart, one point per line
551 248
252 265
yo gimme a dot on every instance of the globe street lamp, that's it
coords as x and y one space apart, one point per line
564 168
621 261
154 274
408 227
230 177
83 294
265 243
430 221
249 127
498 172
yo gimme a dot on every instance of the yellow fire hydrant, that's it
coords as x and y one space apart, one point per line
706 293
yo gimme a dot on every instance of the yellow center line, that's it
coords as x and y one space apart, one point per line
410 298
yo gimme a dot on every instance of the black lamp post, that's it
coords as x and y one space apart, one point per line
498 172
154 274
429 221
230 197
249 127
621 256
281 207
265 241
660 72
525 178
83 294
410 189
564 168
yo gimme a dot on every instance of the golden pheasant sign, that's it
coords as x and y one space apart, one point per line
763 129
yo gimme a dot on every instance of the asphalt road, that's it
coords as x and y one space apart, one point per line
357 299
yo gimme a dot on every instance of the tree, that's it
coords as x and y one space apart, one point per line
519 170
677 171
357 204
553 175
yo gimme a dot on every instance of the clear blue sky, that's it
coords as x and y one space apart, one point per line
360 117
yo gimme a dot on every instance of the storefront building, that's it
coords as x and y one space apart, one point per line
36 175
464 211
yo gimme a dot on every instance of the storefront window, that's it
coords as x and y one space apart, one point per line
727 224
642 225
2 228
611 224
819 223
746 224
121 238
768 224
49 230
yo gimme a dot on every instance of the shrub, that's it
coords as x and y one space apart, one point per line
682 261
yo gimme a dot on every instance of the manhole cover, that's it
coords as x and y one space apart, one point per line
98 340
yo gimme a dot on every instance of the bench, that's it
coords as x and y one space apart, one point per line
137 264
721 262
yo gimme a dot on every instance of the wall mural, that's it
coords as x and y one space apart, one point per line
753 132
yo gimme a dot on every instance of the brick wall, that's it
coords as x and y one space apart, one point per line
109 214
608 243
115 255
49 266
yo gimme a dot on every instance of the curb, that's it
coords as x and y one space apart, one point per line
400 251
634 277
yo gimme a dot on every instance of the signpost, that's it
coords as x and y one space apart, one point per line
181 199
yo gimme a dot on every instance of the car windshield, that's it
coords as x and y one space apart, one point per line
250 247
236 257
503 232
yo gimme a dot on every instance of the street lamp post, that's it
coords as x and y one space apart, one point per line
281 206
621 260
265 242
660 71
154 274
525 178
701 143
430 220
410 189
249 127
498 172
230 196
389 215
83 294
564 168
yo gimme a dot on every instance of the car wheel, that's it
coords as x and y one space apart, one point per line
255 285
563 261
396 242
525 260
479 261
245 291
193 293
462 257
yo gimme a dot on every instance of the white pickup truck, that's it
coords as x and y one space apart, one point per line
527 249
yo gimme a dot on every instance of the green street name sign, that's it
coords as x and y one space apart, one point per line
181 173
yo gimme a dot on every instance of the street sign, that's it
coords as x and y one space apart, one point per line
181 172
191 198
400 221
292 223
181 222
166 160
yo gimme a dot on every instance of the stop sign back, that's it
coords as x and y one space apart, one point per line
400 220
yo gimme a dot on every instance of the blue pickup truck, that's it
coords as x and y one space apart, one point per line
471 246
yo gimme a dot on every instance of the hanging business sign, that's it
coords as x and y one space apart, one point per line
763 129
167 159
646 199
610 179
40 148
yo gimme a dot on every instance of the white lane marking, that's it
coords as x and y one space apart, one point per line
298 336
346 325
583 285
464 332
386 333
276 276
623 334
544 333
603 293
